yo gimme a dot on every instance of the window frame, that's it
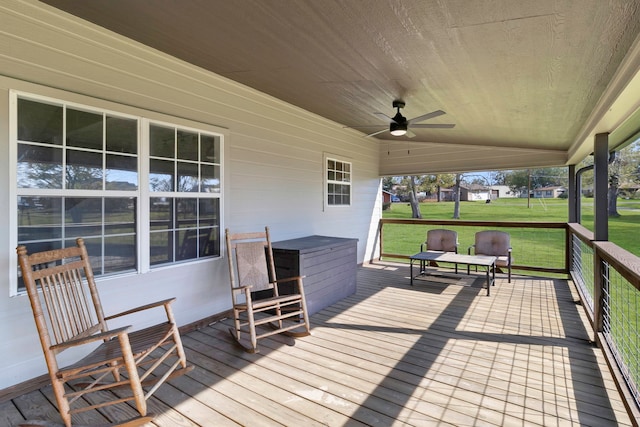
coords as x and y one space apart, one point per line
327 158
142 194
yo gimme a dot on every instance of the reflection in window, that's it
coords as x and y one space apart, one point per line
84 129
98 153
84 170
78 175
39 167
183 229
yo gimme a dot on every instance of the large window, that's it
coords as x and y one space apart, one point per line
184 184
77 174
338 182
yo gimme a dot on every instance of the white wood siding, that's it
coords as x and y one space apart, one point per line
273 164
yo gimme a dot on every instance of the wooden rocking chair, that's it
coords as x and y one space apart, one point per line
252 274
67 311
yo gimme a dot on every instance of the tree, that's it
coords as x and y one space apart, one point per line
387 183
413 198
614 184
521 180
456 197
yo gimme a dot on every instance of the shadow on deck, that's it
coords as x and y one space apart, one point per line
438 353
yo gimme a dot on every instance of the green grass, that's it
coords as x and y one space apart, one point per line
622 230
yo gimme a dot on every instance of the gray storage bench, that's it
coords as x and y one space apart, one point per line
328 265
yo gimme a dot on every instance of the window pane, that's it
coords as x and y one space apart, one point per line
84 170
83 217
119 254
94 250
187 213
210 179
39 218
213 245
161 251
187 177
191 244
161 175
161 213
122 135
39 122
210 147
209 215
84 129
119 215
121 173
187 145
162 141
39 167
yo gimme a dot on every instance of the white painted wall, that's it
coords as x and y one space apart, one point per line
273 165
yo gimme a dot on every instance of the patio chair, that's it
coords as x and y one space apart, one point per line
68 314
259 299
494 243
440 239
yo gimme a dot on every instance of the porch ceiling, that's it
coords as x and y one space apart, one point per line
534 79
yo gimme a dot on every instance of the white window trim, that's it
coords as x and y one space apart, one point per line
144 118
326 181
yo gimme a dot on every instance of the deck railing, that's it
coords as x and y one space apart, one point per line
607 278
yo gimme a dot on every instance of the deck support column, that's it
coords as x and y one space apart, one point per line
600 186
601 224
574 197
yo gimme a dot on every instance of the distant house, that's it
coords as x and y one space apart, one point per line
389 197
548 192
474 192
628 191
502 191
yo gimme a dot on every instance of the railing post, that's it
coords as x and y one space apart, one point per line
598 294
380 228
568 249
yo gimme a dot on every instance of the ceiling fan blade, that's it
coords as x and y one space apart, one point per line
433 126
361 127
410 134
427 116
384 117
376 133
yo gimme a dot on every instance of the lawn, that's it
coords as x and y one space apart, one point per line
622 230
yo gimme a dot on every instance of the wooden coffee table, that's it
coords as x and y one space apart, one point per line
489 262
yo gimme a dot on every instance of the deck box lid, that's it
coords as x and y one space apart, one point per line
312 243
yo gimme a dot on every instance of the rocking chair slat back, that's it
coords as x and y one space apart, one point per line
66 293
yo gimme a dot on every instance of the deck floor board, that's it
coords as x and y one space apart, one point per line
440 352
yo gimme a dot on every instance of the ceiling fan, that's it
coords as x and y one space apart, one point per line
399 125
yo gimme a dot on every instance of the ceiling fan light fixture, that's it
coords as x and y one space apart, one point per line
398 129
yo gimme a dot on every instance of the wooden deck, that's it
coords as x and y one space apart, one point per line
438 353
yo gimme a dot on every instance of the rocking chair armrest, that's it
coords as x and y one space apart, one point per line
287 279
244 288
91 338
298 279
141 308
469 249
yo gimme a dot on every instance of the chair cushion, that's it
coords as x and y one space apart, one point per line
442 240
496 243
